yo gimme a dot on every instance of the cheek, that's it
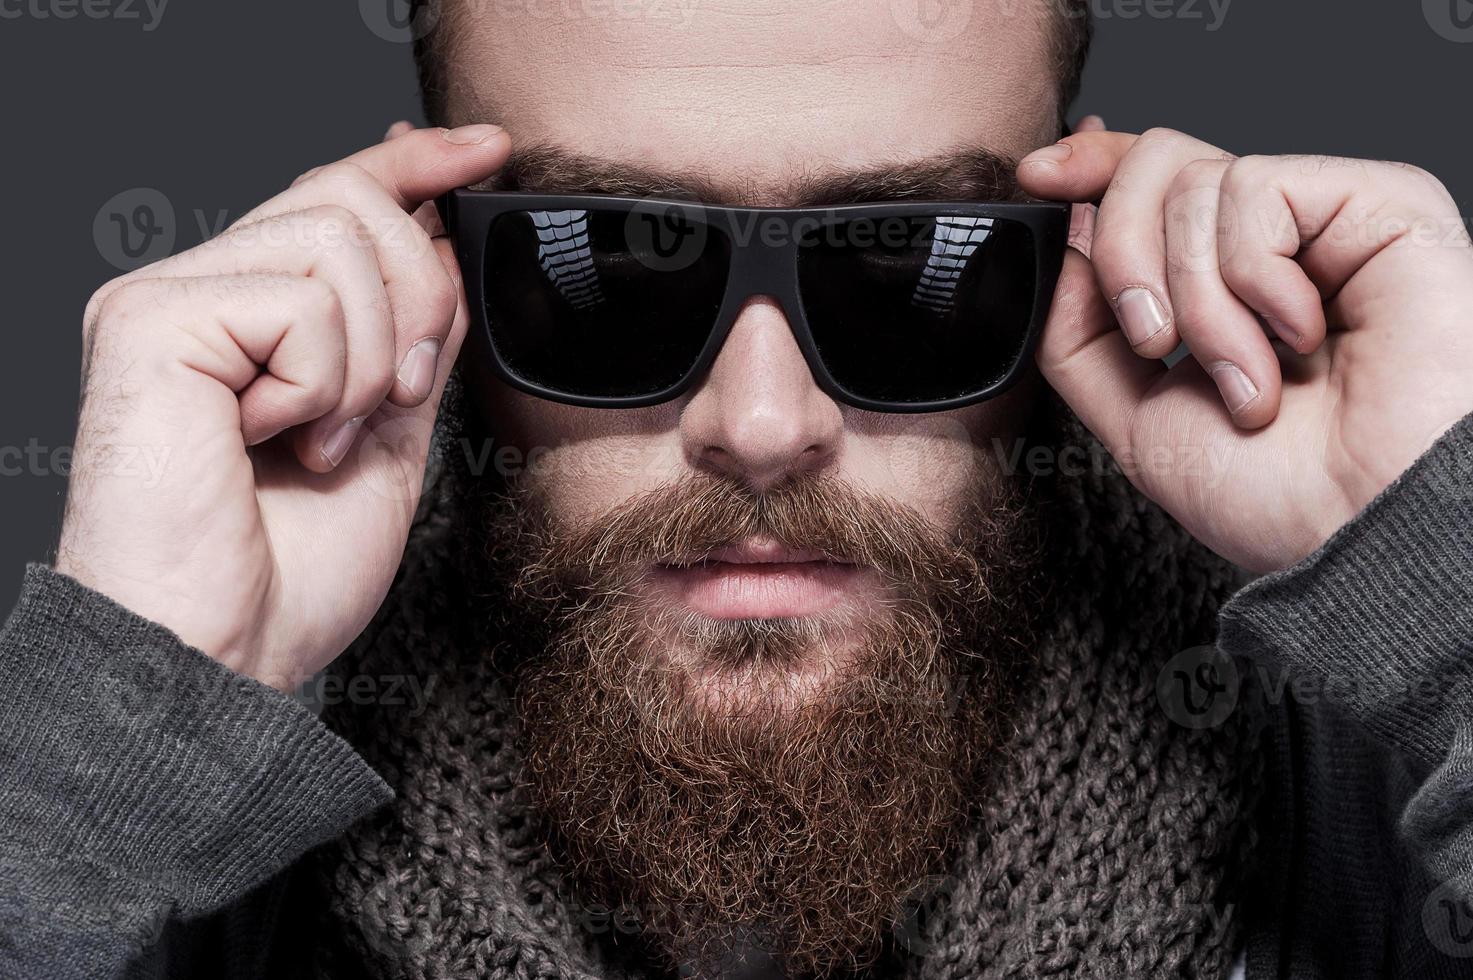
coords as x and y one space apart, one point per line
936 463
584 461
929 465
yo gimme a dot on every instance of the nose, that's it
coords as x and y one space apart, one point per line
758 416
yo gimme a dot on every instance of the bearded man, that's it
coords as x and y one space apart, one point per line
811 567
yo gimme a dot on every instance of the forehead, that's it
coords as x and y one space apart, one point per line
756 93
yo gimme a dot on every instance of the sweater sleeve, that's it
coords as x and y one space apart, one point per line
143 782
1378 624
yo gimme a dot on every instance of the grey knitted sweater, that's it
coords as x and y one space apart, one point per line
1309 798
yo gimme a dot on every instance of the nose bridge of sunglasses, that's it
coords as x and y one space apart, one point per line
764 266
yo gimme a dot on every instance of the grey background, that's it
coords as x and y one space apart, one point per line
218 105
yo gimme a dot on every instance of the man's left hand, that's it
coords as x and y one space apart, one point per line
1327 304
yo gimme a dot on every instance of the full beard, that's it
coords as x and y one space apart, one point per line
691 783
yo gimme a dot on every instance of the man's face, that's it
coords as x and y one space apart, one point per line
695 542
750 100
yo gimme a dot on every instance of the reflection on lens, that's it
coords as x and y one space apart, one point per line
954 242
565 256
939 312
592 303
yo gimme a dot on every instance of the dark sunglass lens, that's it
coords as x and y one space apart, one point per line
909 310
603 303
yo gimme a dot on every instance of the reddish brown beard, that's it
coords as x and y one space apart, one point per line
800 828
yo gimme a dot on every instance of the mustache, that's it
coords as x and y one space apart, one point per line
682 523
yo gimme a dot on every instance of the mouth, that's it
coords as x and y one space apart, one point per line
761 579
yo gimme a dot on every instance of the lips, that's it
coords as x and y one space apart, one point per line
761 579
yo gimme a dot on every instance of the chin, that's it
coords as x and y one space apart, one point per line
737 666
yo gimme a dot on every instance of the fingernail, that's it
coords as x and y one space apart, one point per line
417 370
471 135
1286 333
1237 390
336 446
1049 156
1141 315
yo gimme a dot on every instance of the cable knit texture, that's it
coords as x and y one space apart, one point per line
1113 843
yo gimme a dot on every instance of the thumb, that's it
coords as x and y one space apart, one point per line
425 215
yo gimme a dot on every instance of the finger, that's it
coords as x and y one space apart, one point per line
1129 246
421 165
421 294
380 184
1223 335
394 132
1086 359
427 216
1306 225
426 411
329 243
1078 168
396 443
1091 124
275 342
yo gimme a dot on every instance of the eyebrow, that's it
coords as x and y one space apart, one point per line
970 174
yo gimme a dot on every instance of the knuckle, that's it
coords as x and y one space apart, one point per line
120 302
343 174
1430 186
367 387
305 176
321 303
1118 259
1193 177
330 213
329 227
95 304
1249 169
1245 266
1158 135
323 396
1192 320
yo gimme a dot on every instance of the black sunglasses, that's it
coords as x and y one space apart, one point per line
613 302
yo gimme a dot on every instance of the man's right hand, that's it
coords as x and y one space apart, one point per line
286 375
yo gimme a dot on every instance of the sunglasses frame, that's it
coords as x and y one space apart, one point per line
757 267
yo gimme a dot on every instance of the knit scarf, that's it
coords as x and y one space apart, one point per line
1114 842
